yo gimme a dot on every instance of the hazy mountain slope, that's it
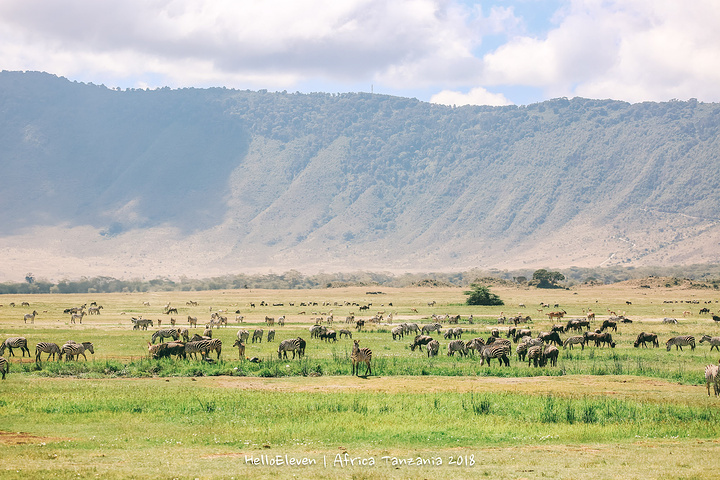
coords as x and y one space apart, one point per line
201 181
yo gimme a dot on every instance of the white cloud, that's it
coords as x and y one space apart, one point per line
625 49
633 50
476 96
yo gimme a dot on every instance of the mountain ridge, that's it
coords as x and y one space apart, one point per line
211 181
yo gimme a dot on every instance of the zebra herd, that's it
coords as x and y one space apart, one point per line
71 350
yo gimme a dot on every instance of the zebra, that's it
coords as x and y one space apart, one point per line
243 335
643 337
712 376
430 327
184 333
398 331
166 333
207 332
577 339
4 367
204 347
15 342
713 341
192 321
474 345
166 349
257 335
681 341
433 347
289 345
46 347
346 332
551 353
241 348
521 351
30 316
77 316
457 346
669 320
358 356
271 335
495 350
141 323
316 330
535 356
411 327
72 350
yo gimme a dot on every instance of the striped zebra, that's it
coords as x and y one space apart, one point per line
681 341
50 348
398 331
204 347
166 333
184 333
433 348
141 323
430 327
73 350
4 367
271 335
713 341
243 335
30 316
712 376
289 345
551 353
474 345
192 321
495 350
575 340
358 356
14 342
535 356
457 346
521 351
257 335
346 332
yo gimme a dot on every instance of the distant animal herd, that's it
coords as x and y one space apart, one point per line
538 349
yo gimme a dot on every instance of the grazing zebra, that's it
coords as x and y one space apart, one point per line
535 356
681 341
433 347
643 337
712 376
4 367
141 323
30 316
346 332
257 335
166 349
243 335
521 351
358 356
289 345
713 341
398 331
207 332
457 346
241 348
163 334
271 335
551 353
430 327
203 347
577 339
15 342
495 350
669 320
73 350
46 347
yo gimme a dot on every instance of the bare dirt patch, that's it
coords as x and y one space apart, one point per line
21 438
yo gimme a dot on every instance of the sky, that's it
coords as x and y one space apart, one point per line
454 52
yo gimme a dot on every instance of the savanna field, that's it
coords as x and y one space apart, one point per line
601 412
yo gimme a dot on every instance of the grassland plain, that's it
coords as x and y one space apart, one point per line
601 413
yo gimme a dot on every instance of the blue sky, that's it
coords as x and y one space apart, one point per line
446 51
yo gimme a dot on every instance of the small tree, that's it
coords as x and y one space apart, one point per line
547 279
481 295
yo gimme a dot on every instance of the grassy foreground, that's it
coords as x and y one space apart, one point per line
602 413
